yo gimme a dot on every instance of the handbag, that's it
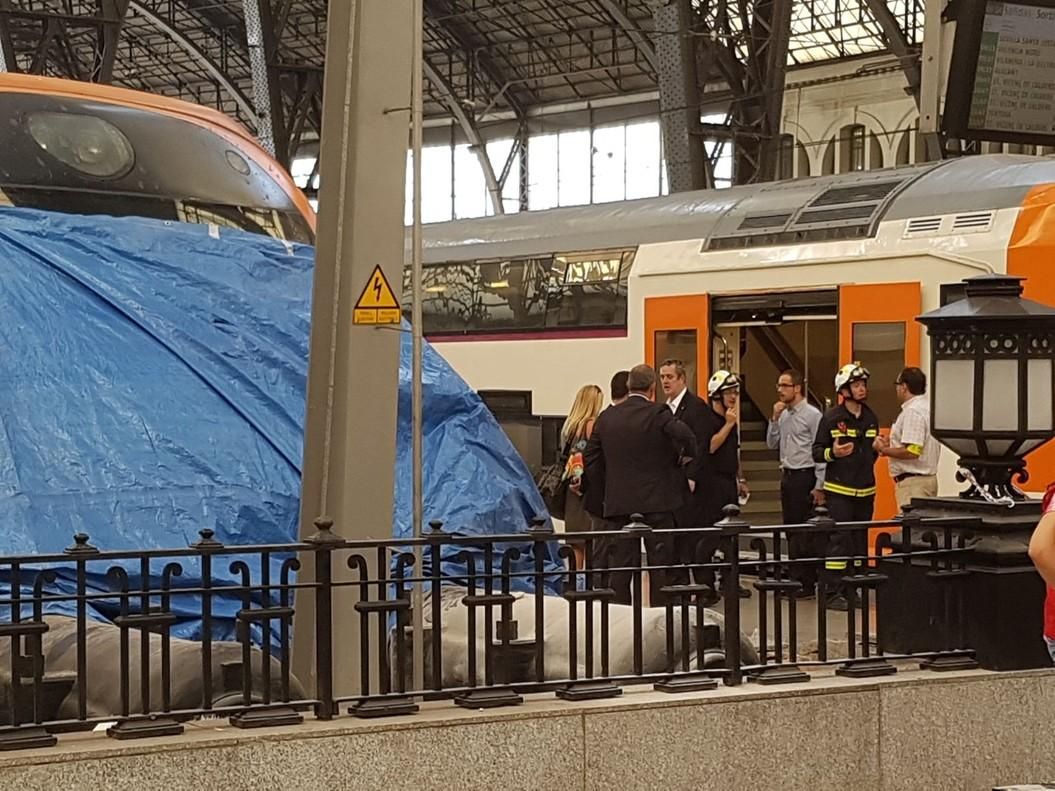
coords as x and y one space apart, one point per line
553 485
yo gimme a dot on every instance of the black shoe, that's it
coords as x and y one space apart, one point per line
806 592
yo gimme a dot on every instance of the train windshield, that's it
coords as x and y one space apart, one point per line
82 156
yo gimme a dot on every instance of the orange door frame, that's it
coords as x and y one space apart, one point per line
691 312
1029 255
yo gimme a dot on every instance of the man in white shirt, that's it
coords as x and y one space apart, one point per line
912 451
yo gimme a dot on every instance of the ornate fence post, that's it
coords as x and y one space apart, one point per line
325 542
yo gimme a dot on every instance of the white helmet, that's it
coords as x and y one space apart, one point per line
722 381
850 373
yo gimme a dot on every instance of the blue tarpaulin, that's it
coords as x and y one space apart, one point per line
152 383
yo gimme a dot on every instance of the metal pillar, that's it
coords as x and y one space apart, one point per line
7 47
679 109
757 115
109 38
267 93
350 430
930 84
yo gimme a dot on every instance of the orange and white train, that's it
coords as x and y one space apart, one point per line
82 148
807 274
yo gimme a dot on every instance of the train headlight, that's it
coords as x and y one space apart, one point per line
85 143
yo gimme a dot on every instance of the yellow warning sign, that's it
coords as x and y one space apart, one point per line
377 304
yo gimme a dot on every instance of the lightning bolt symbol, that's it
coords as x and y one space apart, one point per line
377 289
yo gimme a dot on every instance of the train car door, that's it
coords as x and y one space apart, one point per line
877 326
679 327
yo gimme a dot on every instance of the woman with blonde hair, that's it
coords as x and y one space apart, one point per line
573 436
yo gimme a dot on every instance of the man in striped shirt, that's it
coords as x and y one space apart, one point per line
912 451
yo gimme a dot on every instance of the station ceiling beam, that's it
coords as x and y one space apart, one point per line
472 135
40 41
898 44
198 56
638 36
756 111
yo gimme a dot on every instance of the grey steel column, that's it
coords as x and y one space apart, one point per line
350 430
417 101
930 90
679 106
7 47
258 61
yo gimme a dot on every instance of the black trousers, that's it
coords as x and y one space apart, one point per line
620 552
716 492
796 505
842 508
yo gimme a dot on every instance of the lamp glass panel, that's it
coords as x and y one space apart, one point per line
961 446
1040 416
1000 395
1030 444
998 447
954 395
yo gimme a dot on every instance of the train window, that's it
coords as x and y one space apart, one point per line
579 270
507 403
857 148
881 349
582 290
785 158
113 204
259 221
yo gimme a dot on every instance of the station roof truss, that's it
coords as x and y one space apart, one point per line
484 58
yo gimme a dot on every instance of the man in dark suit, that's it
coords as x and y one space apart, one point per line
694 412
593 499
635 455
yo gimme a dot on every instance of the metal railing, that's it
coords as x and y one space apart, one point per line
91 637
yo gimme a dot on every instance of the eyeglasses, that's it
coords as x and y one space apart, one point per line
782 385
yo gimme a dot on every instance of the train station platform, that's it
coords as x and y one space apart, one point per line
915 730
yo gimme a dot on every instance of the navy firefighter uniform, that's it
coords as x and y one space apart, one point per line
849 480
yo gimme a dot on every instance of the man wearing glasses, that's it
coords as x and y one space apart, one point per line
792 429
912 451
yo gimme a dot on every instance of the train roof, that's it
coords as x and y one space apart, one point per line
32 83
772 213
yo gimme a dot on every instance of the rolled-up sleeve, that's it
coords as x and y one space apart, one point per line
914 431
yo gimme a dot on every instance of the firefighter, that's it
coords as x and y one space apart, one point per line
721 482
848 441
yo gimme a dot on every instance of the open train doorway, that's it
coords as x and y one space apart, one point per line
759 336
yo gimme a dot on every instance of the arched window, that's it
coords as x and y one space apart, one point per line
852 148
786 158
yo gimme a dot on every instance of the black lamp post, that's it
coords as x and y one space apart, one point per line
992 383
992 377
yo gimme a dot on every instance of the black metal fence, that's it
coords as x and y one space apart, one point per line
89 637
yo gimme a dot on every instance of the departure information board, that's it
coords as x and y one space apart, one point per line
1002 75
